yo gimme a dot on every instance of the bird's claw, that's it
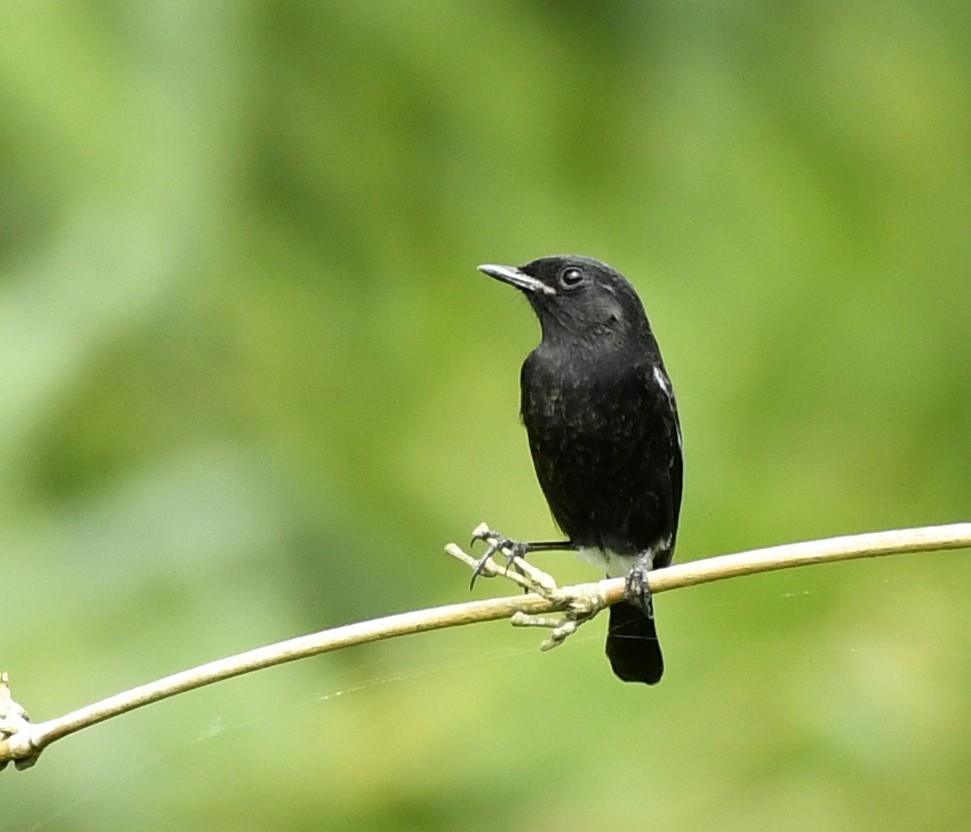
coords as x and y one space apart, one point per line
637 591
577 605
512 549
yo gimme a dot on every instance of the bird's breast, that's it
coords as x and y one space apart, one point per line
600 447
600 408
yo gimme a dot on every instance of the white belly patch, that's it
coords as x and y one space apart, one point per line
610 563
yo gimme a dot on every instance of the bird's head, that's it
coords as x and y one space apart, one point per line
578 300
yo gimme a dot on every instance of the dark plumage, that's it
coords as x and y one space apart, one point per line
602 422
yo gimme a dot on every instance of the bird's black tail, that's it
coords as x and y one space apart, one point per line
632 645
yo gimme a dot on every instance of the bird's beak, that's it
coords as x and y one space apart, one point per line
517 278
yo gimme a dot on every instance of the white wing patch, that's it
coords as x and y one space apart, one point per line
662 382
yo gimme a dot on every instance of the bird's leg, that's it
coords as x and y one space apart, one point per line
636 589
514 550
577 604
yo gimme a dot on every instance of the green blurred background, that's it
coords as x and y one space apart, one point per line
250 383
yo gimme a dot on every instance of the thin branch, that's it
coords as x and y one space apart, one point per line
21 740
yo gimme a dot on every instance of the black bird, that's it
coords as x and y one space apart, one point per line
603 429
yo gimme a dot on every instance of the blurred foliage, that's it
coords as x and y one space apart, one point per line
251 383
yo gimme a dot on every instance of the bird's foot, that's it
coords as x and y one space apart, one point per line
515 569
580 606
636 589
577 604
514 550
16 729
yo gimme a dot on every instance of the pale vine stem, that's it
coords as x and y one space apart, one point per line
22 740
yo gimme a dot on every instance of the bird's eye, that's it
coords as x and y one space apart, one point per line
571 277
